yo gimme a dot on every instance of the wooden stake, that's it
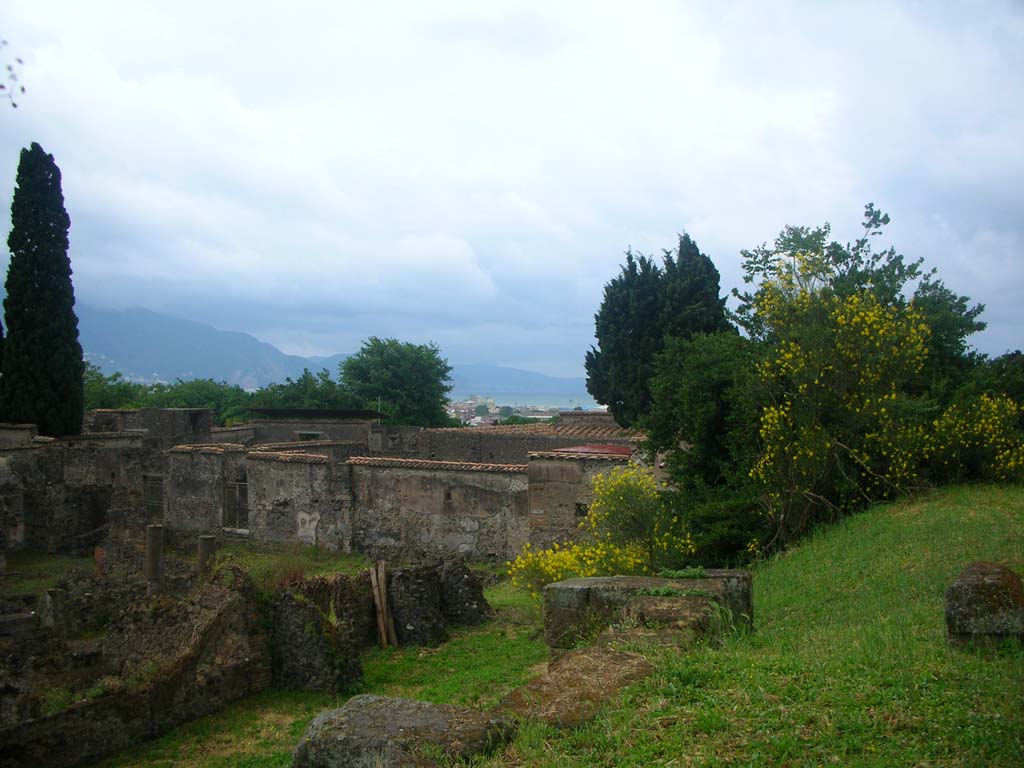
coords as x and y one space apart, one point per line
389 620
382 629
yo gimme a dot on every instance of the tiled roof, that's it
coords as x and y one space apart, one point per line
450 466
617 450
209 448
568 456
295 458
302 445
552 430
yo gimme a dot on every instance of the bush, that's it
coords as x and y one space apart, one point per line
725 531
629 530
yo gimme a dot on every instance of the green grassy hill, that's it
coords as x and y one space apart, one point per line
849 665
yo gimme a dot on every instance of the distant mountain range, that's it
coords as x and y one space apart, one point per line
149 346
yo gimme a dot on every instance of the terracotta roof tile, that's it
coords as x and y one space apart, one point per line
568 456
294 458
552 430
209 448
450 466
301 445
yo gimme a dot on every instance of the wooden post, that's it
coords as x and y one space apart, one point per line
389 620
382 627
152 564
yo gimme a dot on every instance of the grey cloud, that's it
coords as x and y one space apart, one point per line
317 174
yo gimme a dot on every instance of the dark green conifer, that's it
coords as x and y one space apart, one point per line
42 381
643 307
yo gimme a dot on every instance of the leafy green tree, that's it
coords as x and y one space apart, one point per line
412 381
481 410
310 390
703 407
43 371
112 391
229 402
643 306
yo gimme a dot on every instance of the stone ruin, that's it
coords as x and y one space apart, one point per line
393 492
149 640
377 730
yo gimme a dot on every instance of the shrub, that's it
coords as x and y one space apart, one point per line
629 530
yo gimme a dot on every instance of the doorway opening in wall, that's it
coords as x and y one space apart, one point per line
236 506
153 497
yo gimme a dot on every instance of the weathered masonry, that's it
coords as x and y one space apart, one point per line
350 485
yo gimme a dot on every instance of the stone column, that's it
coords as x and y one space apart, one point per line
153 563
207 549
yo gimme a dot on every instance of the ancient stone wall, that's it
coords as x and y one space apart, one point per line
299 497
413 508
195 484
560 492
337 451
102 484
17 435
244 434
398 441
291 430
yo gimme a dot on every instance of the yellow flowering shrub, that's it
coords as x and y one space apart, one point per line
830 436
629 529
981 439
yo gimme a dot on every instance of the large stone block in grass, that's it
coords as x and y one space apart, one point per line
388 732
578 610
985 603
576 686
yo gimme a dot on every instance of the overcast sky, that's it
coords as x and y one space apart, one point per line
471 173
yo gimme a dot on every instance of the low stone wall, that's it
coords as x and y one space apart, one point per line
17 435
414 509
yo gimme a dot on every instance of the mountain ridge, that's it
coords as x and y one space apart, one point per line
144 345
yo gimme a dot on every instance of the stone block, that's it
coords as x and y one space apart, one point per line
462 596
985 603
414 596
392 733
578 609
310 654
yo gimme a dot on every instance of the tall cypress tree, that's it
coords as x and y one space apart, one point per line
643 306
42 379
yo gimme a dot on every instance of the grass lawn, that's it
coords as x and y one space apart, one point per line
32 573
849 665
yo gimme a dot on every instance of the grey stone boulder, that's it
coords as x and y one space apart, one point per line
386 732
985 603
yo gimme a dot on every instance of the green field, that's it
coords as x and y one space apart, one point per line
848 666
